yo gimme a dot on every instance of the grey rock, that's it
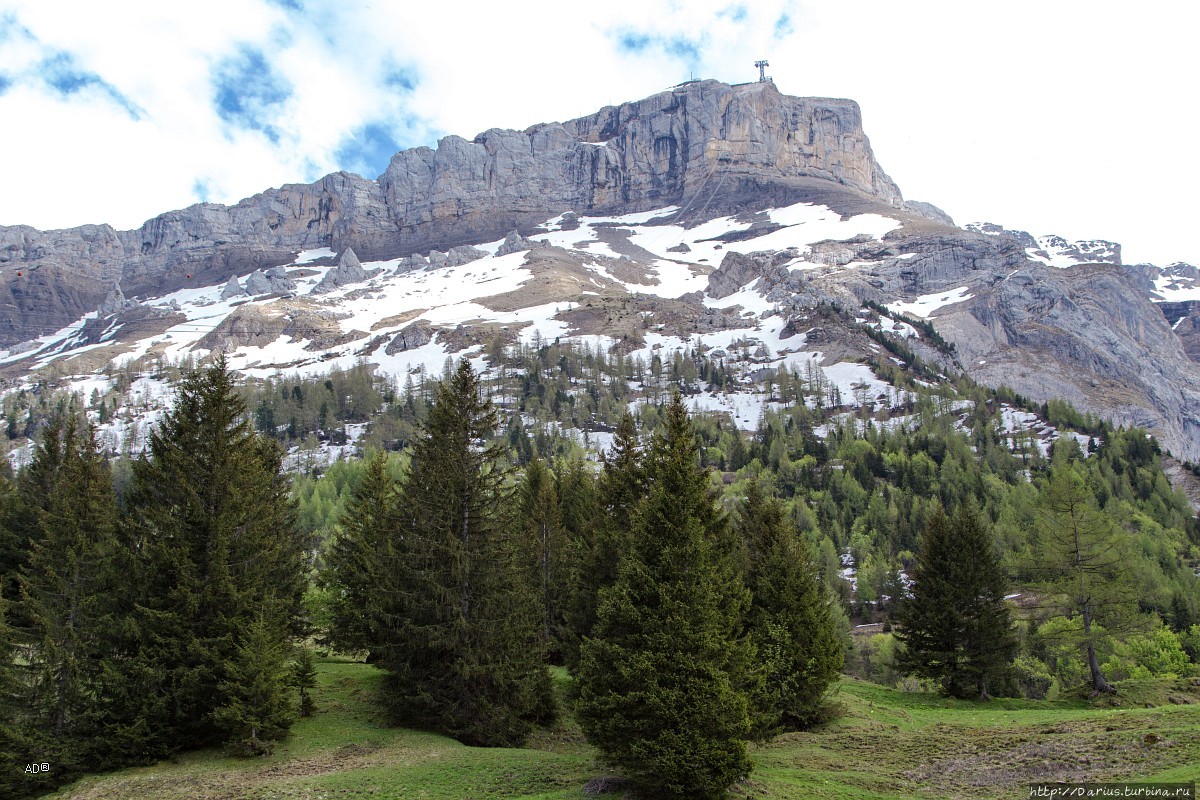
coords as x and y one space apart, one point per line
232 289
514 242
738 270
281 282
257 283
464 255
115 303
415 335
929 211
348 270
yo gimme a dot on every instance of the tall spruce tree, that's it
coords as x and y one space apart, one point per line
1081 555
599 546
461 639
67 591
956 626
540 519
13 781
210 514
358 557
257 708
661 678
800 647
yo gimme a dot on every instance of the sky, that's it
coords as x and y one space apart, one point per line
1069 117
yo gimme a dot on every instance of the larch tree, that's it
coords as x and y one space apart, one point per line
1081 556
956 627
210 514
791 622
461 625
662 676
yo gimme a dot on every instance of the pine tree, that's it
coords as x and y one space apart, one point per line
461 644
1082 555
304 678
359 554
800 648
661 679
599 547
210 514
956 627
67 588
256 710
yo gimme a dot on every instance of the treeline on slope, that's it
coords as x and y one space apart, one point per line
164 622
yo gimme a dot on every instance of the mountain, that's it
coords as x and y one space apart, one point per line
735 220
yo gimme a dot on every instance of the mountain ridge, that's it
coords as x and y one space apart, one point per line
706 209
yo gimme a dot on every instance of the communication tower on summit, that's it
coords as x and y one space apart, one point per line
762 70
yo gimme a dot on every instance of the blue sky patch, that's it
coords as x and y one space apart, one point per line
5 83
248 93
401 78
288 5
783 25
733 13
62 73
680 47
202 190
367 149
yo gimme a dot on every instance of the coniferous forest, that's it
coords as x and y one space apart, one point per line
700 590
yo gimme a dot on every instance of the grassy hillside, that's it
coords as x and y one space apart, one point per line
886 744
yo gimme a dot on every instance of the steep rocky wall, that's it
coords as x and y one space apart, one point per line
671 148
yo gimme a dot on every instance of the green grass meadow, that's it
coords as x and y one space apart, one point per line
885 744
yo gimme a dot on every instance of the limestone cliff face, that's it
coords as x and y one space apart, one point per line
672 148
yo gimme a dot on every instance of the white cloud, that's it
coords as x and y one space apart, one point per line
1063 117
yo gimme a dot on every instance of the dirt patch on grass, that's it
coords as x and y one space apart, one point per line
1066 752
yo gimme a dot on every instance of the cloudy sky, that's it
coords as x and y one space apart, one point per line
1074 117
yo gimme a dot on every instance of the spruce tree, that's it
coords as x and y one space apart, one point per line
13 781
661 678
67 590
210 515
800 648
304 678
956 628
358 556
540 520
461 641
256 709
599 546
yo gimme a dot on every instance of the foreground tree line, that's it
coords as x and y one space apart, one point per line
166 616
688 633
167 620
162 624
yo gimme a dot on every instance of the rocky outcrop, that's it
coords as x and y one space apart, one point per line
257 283
413 336
232 289
114 303
514 242
348 270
